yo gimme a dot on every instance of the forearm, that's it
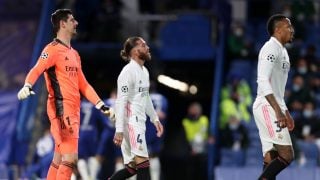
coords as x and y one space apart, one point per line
90 94
150 111
33 75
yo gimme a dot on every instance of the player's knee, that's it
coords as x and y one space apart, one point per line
131 164
289 156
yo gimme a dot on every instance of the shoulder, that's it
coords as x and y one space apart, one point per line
145 69
271 49
127 71
48 50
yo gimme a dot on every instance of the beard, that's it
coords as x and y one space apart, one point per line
145 56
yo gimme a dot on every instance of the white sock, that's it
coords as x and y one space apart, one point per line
83 169
155 168
94 167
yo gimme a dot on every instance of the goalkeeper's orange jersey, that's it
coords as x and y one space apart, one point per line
64 79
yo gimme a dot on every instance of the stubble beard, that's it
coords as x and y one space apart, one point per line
145 56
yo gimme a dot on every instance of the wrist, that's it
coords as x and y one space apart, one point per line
155 120
27 85
99 105
119 130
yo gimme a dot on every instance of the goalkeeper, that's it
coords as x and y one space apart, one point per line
65 81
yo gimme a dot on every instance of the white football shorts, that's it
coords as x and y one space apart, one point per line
270 133
134 143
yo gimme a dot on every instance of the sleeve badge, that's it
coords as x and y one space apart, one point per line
271 58
44 55
124 89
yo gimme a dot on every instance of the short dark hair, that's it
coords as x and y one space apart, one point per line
272 21
57 16
130 43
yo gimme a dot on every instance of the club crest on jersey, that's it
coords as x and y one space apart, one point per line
271 58
44 55
124 89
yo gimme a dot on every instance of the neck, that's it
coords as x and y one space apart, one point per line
66 39
138 60
279 39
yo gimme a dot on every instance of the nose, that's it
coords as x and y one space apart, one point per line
292 30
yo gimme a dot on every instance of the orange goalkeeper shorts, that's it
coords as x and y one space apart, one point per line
65 132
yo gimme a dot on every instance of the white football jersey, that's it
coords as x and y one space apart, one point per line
133 99
273 69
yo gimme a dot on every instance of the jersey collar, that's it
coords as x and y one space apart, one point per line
62 43
276 40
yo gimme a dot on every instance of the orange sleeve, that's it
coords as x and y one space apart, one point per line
44 62
86 89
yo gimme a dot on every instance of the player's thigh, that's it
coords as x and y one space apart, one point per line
126 149
137 140
70 135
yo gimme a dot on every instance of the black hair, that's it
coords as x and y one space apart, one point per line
128 45
57 16
272 22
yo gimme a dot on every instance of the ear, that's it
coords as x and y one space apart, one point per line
62 24
277 30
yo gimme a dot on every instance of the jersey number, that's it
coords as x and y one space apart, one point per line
278 126
139 140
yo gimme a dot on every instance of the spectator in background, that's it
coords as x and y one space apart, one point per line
196 128
88 165
310 54
302 15
108 18
307 131
234 135
299 94
235 101
308 125
42 157
238 46
154 143
107 152
315 90
302 68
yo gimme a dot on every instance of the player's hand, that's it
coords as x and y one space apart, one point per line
108 111
159 127
281 120
117 139
25 92
290 121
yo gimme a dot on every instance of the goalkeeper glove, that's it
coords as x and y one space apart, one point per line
108 111
25 92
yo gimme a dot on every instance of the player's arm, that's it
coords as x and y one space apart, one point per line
267 60
88 92
150 111
45 61
124 87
